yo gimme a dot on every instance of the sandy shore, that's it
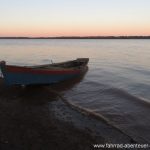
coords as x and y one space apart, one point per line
33 118
27 123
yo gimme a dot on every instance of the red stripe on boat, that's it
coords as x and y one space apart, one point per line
39 71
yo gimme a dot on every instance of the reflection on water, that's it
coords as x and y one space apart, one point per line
117 84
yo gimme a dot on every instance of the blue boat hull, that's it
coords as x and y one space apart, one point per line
43 74
27 78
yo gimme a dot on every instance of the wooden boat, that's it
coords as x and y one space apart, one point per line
43 74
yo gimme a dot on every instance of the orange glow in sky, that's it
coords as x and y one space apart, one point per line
74 18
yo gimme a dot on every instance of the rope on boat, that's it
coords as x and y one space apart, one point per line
90 113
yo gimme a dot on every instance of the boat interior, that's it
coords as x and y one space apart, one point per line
69 64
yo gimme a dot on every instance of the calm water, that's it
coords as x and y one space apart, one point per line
117 84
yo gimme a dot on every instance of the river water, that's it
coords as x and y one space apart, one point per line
117 84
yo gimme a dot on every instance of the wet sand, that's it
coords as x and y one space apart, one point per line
29 120
27 123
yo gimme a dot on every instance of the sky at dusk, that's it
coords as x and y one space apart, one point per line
74 17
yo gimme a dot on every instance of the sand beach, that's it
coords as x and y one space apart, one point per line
35 118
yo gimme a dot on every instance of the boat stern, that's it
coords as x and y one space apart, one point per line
2 67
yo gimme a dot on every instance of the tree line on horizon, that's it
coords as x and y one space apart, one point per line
81 37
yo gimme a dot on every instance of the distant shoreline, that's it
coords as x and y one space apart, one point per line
81 37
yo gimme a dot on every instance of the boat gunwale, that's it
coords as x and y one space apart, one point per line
51 68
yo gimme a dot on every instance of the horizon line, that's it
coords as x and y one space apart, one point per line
77 37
